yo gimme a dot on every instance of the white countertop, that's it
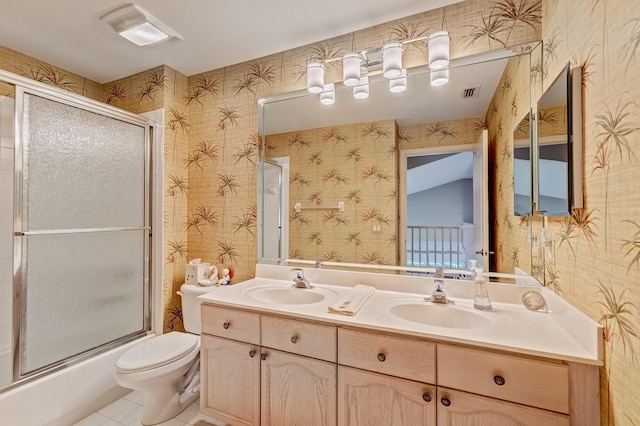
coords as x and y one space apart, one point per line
564 333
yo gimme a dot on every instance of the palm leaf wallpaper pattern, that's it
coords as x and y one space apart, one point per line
211 146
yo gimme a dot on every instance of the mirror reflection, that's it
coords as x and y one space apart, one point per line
557 188
388 180
522 167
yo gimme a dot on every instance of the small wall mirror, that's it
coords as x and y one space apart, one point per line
522 167
559 145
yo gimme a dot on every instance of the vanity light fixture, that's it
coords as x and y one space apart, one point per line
315 77
351 69
438 46
439 77
328 95
139 26
388 60
392 60
397 85
361 91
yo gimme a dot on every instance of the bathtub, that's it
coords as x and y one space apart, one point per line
66 396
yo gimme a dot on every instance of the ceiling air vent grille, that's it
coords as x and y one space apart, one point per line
470 92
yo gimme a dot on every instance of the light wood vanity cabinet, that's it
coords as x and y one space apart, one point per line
397 386
260 369
229 388
541 384
266 370
297 390
366 398
230 365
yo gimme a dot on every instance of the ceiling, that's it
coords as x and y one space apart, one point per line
70 35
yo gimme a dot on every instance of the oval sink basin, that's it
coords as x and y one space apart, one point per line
446 316
281 295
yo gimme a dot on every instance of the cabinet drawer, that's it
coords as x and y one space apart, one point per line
231 323
527 381
455 407
396 356
300 337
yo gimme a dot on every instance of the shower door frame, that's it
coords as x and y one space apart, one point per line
24 86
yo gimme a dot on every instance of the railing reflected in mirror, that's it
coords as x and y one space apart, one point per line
348 153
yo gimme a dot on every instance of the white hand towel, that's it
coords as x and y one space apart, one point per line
350 303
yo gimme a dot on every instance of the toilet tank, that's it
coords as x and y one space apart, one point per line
191 305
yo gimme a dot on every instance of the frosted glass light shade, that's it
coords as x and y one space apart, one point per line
144 34
392 60
351 69
361 91
439 77
438 45
328 95
139 26
397 85
315 77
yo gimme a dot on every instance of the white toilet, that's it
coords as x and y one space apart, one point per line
167 367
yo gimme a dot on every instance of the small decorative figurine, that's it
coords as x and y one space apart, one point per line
226 277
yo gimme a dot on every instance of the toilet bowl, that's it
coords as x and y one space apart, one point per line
166 368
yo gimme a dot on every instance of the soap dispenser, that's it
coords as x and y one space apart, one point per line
481 300
473 269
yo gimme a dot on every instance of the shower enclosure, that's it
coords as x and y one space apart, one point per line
275 203
74 228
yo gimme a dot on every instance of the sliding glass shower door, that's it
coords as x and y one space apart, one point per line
82 230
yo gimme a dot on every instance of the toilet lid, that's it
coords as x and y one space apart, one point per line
157 351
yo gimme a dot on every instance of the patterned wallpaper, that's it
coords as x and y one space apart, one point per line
335 164
594 256
211 148
355 164
512 235
596 262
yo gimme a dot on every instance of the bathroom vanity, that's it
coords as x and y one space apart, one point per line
271 356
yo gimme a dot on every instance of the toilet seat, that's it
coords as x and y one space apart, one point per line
156 352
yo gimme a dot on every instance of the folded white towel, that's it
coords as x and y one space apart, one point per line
350 303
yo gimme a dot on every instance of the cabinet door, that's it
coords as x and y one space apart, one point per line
370 399
230 375
457 408
297 390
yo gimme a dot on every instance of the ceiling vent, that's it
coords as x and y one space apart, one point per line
470 92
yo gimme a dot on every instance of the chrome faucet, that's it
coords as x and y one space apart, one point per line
300 281
438 295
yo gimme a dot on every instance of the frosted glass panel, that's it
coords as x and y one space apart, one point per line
79 292
81 169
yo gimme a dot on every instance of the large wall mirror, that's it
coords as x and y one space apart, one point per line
394 180
559 145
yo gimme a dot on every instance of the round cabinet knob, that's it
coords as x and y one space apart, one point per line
499 380
445 401
381 357
226 325
252 353
426 396
263 357
294 339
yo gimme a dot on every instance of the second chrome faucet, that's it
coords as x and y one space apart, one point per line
439 295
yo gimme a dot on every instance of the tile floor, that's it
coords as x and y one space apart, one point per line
127 411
